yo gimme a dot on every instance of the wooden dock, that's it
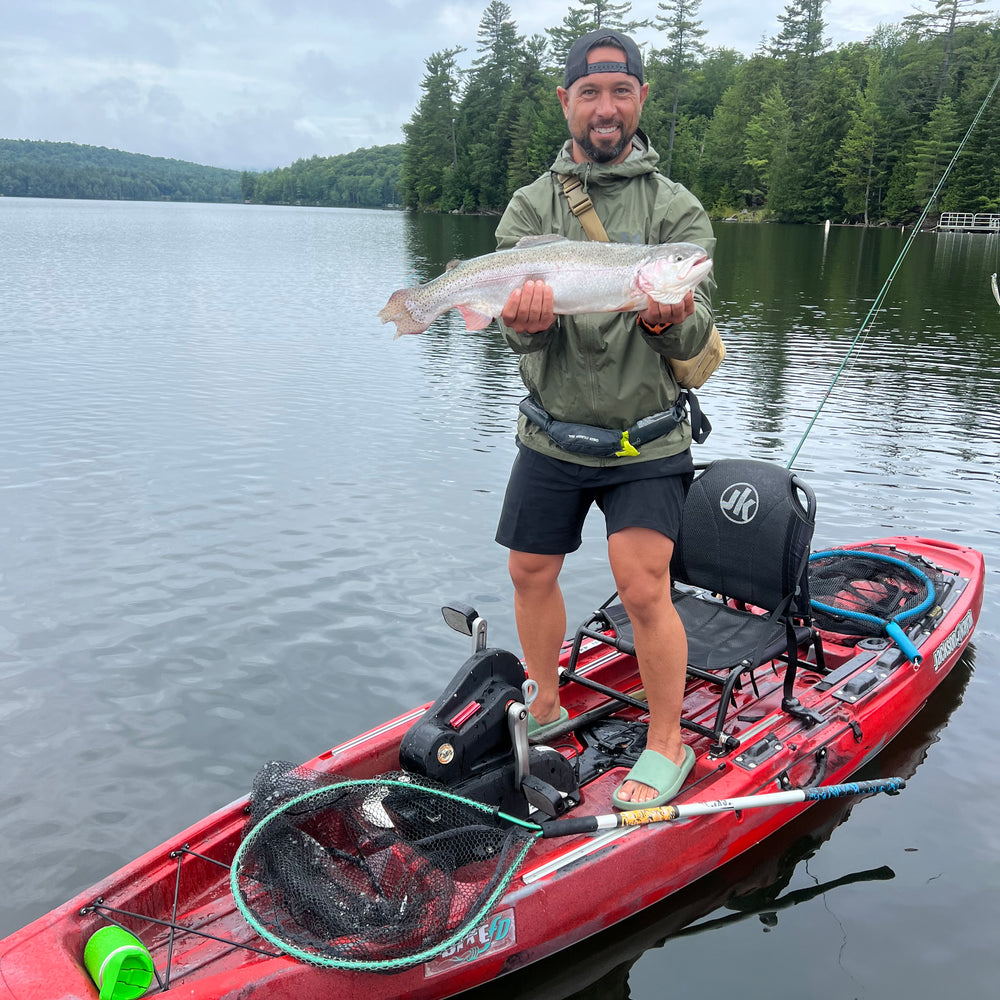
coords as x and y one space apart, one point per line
969 222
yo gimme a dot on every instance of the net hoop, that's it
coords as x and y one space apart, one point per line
899 564
370 965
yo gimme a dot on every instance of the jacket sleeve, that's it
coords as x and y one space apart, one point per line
521 219
683 220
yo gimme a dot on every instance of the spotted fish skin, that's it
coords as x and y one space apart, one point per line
586 277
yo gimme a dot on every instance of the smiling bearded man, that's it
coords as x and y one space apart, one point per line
606 370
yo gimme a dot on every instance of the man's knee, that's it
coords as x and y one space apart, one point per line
644 592
640 562
530 571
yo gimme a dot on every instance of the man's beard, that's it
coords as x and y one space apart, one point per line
604 154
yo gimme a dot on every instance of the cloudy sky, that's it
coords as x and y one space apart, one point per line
256 84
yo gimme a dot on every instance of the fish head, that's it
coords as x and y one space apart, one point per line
671 270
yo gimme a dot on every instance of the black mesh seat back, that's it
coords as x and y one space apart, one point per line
746 532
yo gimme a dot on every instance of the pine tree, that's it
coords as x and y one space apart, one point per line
483 140
767 148
431 146
684 33
802 28
934 149
943 21
857 159
499 44
975 182
798 46
589 16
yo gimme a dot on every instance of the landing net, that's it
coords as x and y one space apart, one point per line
377 874
857 591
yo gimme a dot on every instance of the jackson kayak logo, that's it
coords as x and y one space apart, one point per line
962 632
495 935
739 503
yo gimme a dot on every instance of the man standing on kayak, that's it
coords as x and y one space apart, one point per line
605 370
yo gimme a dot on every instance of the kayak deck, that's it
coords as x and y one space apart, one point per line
177 900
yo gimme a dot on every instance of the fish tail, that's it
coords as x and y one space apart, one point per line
397 310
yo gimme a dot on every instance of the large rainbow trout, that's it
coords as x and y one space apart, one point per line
586 277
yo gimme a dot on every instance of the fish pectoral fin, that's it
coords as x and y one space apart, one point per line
665 296
474 319
537 241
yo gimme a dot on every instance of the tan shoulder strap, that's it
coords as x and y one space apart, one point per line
582 207
690 374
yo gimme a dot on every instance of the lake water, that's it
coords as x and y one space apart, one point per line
231 506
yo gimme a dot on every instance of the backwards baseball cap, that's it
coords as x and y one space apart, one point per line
576 61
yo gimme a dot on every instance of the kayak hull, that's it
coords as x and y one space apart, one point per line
568 889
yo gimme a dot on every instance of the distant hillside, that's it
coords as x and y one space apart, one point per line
365 178
68 170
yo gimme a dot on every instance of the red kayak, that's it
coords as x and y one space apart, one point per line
833 675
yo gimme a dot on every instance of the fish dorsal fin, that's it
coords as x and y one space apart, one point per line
537 241
452 264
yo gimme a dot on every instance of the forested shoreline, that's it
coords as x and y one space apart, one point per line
36 169
364 178
796 132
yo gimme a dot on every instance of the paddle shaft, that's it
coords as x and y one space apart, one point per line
665 814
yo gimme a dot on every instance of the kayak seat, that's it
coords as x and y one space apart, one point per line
739 581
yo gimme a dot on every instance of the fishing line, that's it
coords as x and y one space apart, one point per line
869 321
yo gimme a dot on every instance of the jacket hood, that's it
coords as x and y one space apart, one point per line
642 160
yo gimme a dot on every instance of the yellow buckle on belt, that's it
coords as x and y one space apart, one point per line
628 449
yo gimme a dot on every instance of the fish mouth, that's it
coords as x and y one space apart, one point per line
694 263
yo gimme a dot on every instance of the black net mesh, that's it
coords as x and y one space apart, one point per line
376 874
878 582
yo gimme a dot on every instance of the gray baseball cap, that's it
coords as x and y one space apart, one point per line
576 61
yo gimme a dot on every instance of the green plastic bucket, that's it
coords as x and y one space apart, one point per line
119 963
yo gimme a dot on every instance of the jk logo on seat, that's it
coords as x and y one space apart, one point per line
739 503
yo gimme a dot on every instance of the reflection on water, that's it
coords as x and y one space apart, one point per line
231 506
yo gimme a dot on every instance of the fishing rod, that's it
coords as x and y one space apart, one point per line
866 326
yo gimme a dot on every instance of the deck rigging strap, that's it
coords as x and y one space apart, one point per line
866 326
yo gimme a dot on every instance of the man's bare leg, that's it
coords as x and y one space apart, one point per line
541 625
640 561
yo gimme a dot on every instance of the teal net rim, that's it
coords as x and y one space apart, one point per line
376 965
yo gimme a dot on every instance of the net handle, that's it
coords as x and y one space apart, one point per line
666 814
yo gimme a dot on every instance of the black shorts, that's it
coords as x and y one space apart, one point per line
547 500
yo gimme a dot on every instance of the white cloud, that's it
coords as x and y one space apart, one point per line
307 127
260 83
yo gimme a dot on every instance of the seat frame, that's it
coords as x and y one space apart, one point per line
699 593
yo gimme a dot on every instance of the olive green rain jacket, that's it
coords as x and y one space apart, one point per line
604 369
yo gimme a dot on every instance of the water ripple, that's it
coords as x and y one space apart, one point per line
231 505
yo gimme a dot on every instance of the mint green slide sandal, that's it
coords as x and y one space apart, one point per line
658 772
537 733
